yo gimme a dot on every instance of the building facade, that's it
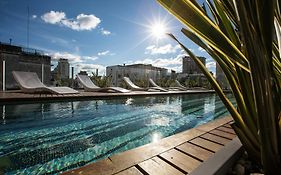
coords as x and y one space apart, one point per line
22 59
220 77
191 73
190 67
134 72
62 70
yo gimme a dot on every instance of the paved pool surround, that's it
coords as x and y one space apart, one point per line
16 96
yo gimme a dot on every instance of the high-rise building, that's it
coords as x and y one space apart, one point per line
191 72
190 67
220 77
134 72
62 69
18 58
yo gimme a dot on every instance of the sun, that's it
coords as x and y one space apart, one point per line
158 30
155 29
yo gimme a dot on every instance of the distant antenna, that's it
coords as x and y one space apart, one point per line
27 27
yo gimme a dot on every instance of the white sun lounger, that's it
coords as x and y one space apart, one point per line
169 89
29 82
88 85
137 88
180 85
157 86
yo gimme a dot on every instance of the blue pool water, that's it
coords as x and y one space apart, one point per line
49 138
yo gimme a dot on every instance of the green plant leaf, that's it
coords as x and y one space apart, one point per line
198 22
237 117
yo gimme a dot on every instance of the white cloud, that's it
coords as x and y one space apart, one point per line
71 57
104 53
201 49
91 68
105 32
174 63
166 49
82 21
80 63
183 51
53 17
75 58
92 58
211 65
34 16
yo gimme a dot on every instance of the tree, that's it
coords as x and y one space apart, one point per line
101 81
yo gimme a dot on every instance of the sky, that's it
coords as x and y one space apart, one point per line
94 34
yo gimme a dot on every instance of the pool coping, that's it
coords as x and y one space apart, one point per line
132 158
16 96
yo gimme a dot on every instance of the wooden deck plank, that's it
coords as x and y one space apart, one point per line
195 151
181 160
218 139
156 166
225 129
223 134
214 124
227 125
102 167
206 144
137 155
130 171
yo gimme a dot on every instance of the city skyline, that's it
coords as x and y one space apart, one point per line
93 35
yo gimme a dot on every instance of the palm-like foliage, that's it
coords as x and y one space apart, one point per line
239 35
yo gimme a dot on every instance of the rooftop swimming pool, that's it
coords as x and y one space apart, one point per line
49 138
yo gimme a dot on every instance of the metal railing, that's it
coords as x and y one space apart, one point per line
26 50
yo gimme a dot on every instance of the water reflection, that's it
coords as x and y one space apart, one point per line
191 101
56 136
4 114
155 137
143 101
209 104
30 116
129 101
158 120
192 104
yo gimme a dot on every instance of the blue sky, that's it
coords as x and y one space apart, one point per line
94 34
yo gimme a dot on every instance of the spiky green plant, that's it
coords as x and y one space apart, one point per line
240 36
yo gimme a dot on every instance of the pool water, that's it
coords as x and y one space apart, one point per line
49 138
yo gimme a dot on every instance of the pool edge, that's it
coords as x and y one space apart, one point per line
125 160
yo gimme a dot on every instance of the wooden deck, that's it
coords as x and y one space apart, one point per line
174 155
17 96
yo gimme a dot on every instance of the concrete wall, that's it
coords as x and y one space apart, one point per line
24 62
